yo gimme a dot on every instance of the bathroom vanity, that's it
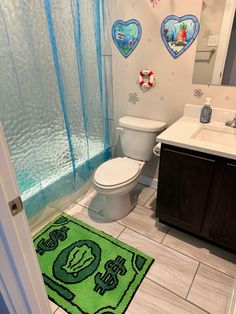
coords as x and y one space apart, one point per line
197 180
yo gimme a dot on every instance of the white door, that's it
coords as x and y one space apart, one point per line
224 40
21 283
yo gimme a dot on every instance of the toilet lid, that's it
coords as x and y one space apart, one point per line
116 171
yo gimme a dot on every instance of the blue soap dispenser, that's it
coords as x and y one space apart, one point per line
206 112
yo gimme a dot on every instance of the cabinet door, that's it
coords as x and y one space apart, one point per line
223 225
183 187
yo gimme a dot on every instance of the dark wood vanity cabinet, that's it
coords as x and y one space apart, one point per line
197 193
184 184
221 216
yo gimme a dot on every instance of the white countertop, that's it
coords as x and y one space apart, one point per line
183 131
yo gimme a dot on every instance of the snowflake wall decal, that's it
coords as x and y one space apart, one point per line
133 98
198 93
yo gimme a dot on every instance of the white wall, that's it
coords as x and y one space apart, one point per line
174 76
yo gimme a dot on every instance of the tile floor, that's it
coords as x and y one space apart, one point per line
188 275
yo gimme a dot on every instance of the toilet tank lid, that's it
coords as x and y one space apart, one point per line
141 124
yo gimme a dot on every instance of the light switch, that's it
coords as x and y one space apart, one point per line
213 41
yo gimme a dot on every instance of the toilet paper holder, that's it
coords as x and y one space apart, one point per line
157 150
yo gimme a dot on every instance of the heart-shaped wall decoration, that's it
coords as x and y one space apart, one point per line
178 33
126 35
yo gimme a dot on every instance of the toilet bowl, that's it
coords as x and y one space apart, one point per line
115 179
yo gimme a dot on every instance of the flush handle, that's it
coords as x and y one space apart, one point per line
120 129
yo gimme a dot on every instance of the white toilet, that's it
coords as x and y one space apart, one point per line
116 178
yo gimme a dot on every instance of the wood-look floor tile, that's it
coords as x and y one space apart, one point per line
60 311
97 221
211 290
53 306
151 203
142 193
73 210
143 220
91 200
153 299
171 269
202 251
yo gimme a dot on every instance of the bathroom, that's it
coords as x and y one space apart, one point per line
55 62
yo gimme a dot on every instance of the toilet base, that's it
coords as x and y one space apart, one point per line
117 207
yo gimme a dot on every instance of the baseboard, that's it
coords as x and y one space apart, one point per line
148 181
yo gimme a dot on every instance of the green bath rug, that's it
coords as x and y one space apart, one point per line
86 270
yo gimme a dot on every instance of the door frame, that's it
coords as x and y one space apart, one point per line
231 309
21 281
224 39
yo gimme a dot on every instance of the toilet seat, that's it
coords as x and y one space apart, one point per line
117 172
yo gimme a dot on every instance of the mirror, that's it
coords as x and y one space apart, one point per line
215 60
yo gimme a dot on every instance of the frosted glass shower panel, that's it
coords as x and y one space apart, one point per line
53 97
30 109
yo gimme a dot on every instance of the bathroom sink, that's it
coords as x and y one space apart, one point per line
216 135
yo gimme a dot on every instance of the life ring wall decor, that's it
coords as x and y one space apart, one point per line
146 79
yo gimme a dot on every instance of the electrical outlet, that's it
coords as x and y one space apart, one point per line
213 41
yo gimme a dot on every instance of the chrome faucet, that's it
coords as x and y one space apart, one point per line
232 123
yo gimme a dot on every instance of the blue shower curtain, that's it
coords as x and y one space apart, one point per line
54 102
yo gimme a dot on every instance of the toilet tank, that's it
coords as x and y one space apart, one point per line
138 136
